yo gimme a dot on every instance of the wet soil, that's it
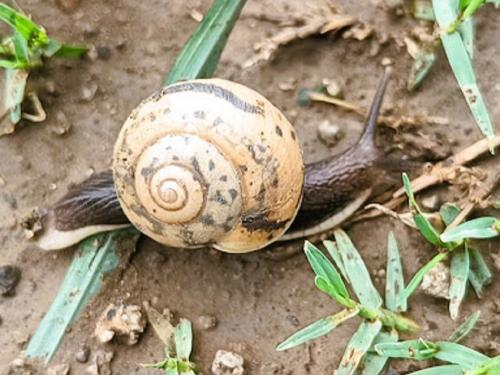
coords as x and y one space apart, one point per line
258 300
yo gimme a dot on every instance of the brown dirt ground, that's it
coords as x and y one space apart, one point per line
258 301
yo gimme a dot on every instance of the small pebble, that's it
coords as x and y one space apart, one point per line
333 88
293 320
92 53
9 278
89 92
329 133
82 355
386 61
432 202
63 125
207 322
227 363
103 52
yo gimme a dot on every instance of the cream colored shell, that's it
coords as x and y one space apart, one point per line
209 162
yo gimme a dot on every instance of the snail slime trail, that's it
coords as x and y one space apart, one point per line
213 163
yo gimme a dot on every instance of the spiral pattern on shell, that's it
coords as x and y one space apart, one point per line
209 162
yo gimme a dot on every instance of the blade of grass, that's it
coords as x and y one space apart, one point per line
70 51
395 284
317 329
324 268
467 32
465 328
459 273
358 346
96 257
417 279
440 370
411 349
460 355
14 88
446 13
183 338
201 54
355 268
481 228
21 49
30 31
373 364
333 250
480 274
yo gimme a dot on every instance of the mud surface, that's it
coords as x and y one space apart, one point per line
257 300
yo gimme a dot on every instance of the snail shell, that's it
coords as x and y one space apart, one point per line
209 162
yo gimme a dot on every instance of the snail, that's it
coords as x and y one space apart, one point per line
211 162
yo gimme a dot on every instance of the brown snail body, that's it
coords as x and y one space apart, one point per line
213 163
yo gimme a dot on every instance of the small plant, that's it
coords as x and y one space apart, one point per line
22 52
178 342
467 263
464 361
380 324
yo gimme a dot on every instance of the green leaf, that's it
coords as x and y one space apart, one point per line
417 279
70 52
183 338
483 227
480 274
395 281
201 53
422 64
440 370
449 212
356 270
490 367
459 273
467 32
460 355
446 13
15 87
465 328
409 192
411 349
30 31
333 250
324 268
373 364
317 329
21 49
358 346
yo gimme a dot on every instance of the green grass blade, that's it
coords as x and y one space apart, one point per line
70 52
201 53
490 367
373 364
449 212
480 274
417 279
30 31
440 370
481 228
459 273
446 13
15 87
467 32
317 329
323 268
21 49
96 257
465 328
333 250
183 338
395 283
411 349
357 273
460 355
358 346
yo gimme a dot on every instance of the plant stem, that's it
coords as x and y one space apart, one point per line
388 319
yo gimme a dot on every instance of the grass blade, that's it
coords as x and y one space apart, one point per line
358 346
467 32
481 228
459 273
96 257
183 338
356 270
411 349
317 329
21 49
333 250
460 355
465 328
395 284
29 30
458 57
323 268
440 370
417 279
373 364
480 274
201 54
15 87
